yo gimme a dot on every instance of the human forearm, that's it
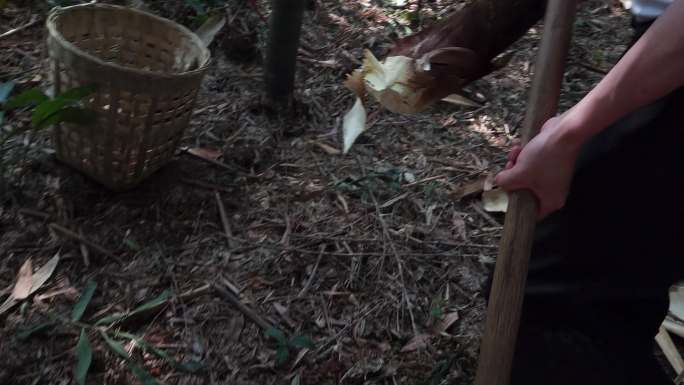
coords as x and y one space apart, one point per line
652 68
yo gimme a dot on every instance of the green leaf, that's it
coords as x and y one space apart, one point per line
144 377
2 118
437 312
163 297
132 244
115 346
111 319
281 355
32 96
190 366
25 334
276 334
80 307
301 342
84 356
48 108
76 94
5 89
437 308
69 115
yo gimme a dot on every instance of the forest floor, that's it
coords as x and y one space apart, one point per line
370 255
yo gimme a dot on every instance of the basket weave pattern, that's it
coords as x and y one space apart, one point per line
146 71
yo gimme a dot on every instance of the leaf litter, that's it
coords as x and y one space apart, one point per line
344 244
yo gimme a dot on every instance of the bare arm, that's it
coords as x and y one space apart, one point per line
651 69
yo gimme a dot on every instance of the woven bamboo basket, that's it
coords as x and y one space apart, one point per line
146 71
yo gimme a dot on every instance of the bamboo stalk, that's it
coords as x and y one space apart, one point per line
510 274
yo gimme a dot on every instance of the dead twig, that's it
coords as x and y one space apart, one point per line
313 273
209 186
589 67
70 234
230 297
34 20
485 215
84 251
222 165
428 179
185 296
224 219
285 239
34 213
364 254
400 264
373 240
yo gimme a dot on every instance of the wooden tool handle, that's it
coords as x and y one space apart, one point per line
510 273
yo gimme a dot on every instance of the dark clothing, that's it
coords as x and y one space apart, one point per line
601 267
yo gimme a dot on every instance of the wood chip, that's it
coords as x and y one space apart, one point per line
469 189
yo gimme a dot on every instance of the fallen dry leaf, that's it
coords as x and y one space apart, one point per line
44 273
489 182
353 124
206 153
420 341
330 150
354 83
461 100
37 280
446 322
22 288
495 201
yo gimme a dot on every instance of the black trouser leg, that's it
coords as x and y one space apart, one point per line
601 267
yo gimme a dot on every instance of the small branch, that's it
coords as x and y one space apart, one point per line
216 163
84 251
34 213
589 67
364 254
70 234
186 296
34 21
400 263
485 215
207 186
428 179
230 297
373 240
313 273
224 219
285 239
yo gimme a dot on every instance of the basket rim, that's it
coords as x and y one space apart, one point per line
66 44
